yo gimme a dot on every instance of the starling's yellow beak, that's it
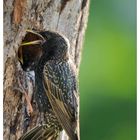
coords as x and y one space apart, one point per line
34 42
33 32
31 43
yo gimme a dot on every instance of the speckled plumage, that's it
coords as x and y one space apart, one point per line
56 88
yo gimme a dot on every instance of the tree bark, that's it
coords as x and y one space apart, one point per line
68 17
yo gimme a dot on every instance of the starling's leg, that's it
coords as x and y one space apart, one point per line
26 97
28 103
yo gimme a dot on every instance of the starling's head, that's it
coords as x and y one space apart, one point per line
48 44
56 45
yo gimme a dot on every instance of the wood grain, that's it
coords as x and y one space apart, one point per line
19 6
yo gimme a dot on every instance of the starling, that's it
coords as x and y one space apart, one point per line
55 84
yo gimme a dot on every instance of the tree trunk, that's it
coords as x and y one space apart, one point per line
68 17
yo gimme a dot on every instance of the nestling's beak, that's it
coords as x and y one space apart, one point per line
32 38
31 43
35 41
20 57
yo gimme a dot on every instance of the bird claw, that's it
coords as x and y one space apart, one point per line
29 106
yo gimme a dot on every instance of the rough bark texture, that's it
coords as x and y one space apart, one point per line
68 17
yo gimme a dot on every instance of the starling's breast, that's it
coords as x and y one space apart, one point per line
40 95
43 101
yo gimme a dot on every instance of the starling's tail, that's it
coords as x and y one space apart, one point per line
41 132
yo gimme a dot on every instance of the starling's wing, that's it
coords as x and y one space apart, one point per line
40 132
60 89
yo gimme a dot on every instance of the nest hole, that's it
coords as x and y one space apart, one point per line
30 52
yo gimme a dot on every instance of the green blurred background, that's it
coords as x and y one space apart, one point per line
108 72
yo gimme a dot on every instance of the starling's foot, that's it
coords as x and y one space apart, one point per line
30 108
